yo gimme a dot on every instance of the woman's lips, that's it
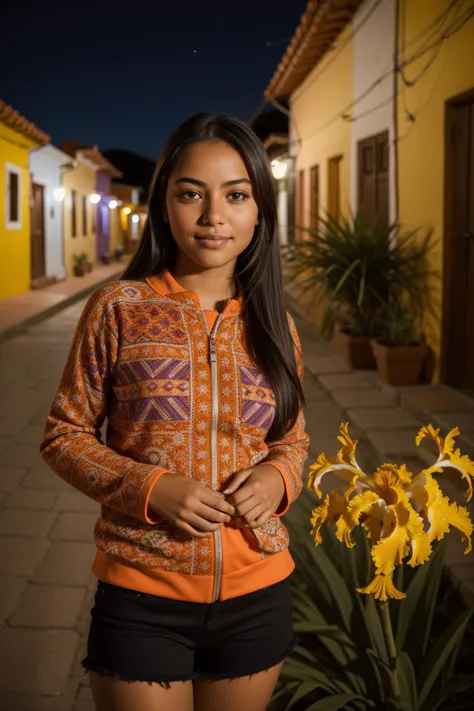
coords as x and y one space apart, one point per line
212 241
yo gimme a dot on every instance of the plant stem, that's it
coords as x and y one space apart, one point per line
392 650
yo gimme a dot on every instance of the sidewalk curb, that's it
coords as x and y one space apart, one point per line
47 313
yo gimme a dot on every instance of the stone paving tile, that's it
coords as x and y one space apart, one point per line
67 563
36 661
10 593
34 499
4 443
463 420
26 702
74 501
21 556
344 381
32 435
358 398
42 477
48 606
399 443
325 364
11 477
12 426
74 527
23 455
393 418
435 400
18 522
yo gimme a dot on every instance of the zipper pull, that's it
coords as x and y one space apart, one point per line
212 350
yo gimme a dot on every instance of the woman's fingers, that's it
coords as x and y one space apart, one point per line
237 481
251 518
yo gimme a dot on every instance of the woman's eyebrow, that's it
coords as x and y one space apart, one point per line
201 184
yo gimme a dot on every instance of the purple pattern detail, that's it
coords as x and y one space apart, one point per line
258 414
252 376
153 369
152 409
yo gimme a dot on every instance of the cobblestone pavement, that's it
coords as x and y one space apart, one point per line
46 547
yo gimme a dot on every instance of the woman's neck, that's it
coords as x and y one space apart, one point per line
213 286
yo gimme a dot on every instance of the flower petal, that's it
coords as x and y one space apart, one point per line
429 431
442 514
347 452
323 465
327 512
392 549
464 465
350 516
382 588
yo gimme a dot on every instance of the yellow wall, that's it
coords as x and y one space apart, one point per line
82 180
116 235
421 144
320 135
14 243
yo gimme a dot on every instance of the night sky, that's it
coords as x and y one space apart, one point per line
126 79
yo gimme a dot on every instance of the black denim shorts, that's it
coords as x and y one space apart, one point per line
140 637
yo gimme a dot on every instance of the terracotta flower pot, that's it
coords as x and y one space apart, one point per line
80 271
355 350
399 365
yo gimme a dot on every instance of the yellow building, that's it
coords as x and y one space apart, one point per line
381 98
128 196
79 212
436 167
17 137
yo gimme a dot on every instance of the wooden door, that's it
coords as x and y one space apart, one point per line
38 266
373 179
334 188
314 186
458 311
300 221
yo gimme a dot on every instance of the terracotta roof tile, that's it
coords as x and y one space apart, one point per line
19 123
319 26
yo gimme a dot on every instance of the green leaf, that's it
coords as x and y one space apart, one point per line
417 609
462 683
374 626
303 690
336 584
332 703
440 653
374 661
407 678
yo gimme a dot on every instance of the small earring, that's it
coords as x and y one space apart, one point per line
165 218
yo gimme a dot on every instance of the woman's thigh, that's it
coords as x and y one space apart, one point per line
112 694
250 693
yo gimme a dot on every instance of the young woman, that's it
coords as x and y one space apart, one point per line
194 362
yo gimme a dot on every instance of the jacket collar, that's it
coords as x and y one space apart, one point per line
166 285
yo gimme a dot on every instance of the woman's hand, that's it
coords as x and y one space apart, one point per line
256 494
189 505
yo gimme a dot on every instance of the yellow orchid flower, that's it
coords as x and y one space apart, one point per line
402 514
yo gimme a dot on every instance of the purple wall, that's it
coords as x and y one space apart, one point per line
103 182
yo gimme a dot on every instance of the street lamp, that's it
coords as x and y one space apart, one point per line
58 194
94 198
127 210
135 218
279 169
113 204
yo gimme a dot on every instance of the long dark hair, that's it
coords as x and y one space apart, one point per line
258 267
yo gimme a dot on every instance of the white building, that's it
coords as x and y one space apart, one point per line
46 166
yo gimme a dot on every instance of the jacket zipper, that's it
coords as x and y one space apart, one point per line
214 424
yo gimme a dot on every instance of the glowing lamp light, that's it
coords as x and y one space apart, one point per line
94 198
135 218
113 204
127 210
279 169
58 194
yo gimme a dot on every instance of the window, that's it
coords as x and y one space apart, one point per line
334 188
315 197
373 173
84 216
13 197
73 213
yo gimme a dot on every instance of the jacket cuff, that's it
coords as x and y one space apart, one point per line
146 514
286 500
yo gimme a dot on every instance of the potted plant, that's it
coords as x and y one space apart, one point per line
80 264
89 266
353 269
119 252
106 258
400 351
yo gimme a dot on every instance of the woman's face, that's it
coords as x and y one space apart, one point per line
210 205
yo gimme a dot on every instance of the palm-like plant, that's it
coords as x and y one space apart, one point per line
355 270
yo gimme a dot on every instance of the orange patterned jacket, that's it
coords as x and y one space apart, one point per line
180 394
